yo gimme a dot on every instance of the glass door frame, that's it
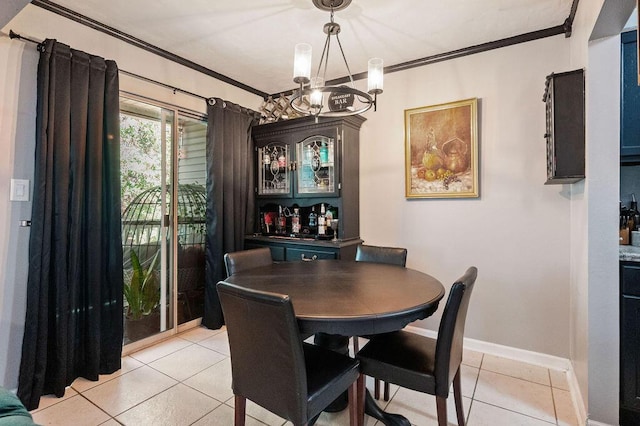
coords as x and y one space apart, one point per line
172 257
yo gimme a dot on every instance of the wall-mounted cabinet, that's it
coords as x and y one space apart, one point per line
565 131
629 99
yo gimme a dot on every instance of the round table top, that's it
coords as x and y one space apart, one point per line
346 297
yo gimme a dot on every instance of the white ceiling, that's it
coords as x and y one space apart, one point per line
252 41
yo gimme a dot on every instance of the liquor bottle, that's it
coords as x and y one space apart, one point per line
324 154
634 215
328 220
295 221
268 224
281 227
328 216
313 226
322 227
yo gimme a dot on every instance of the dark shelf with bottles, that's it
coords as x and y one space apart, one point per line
304 165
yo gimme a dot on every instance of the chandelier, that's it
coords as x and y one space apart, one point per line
313 97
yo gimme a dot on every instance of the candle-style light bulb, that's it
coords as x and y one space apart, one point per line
316 93
375 77
302 63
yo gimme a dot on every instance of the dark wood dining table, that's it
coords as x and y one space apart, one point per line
335 299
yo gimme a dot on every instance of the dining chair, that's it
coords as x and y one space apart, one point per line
273 367
378 254
245 259
421 363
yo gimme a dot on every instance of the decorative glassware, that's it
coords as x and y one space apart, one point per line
334 226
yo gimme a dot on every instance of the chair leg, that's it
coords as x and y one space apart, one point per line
441 403
240 408
354 404
356 345
376 388
386 391
457 397
361 397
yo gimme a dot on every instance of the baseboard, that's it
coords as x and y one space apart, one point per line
544 360
594 423
536 358
578 402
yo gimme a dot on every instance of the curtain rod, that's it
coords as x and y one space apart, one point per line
14 35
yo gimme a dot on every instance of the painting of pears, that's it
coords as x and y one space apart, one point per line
441 148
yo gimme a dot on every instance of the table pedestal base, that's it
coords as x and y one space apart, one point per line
371 408
340 344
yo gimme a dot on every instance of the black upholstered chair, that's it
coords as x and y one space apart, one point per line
271 366
377 254
421 363
245 259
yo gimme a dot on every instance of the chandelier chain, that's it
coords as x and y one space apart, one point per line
345 61
324 58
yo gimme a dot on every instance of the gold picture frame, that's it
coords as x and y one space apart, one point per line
441 150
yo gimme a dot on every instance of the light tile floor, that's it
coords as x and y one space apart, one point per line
186 380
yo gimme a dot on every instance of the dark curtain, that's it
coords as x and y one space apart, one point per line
74 317
230 198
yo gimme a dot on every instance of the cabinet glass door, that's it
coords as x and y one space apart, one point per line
273 170
316 165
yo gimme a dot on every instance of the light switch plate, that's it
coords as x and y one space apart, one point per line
19 190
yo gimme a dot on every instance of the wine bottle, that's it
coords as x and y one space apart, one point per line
322 227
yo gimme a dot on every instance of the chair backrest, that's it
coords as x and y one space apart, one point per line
451 331
377 254
267 358
245 259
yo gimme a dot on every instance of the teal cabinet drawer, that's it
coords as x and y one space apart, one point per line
294 254
277 252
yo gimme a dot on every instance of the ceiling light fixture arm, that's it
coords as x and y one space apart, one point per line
309 100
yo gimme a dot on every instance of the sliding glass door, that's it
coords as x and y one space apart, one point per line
191 215
162 223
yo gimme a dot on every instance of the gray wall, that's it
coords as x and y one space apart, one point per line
17 142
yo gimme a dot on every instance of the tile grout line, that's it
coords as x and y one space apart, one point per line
517 412
550 386
553 398
98 407
475 387
163 356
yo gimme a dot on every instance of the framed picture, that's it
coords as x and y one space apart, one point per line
441 150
